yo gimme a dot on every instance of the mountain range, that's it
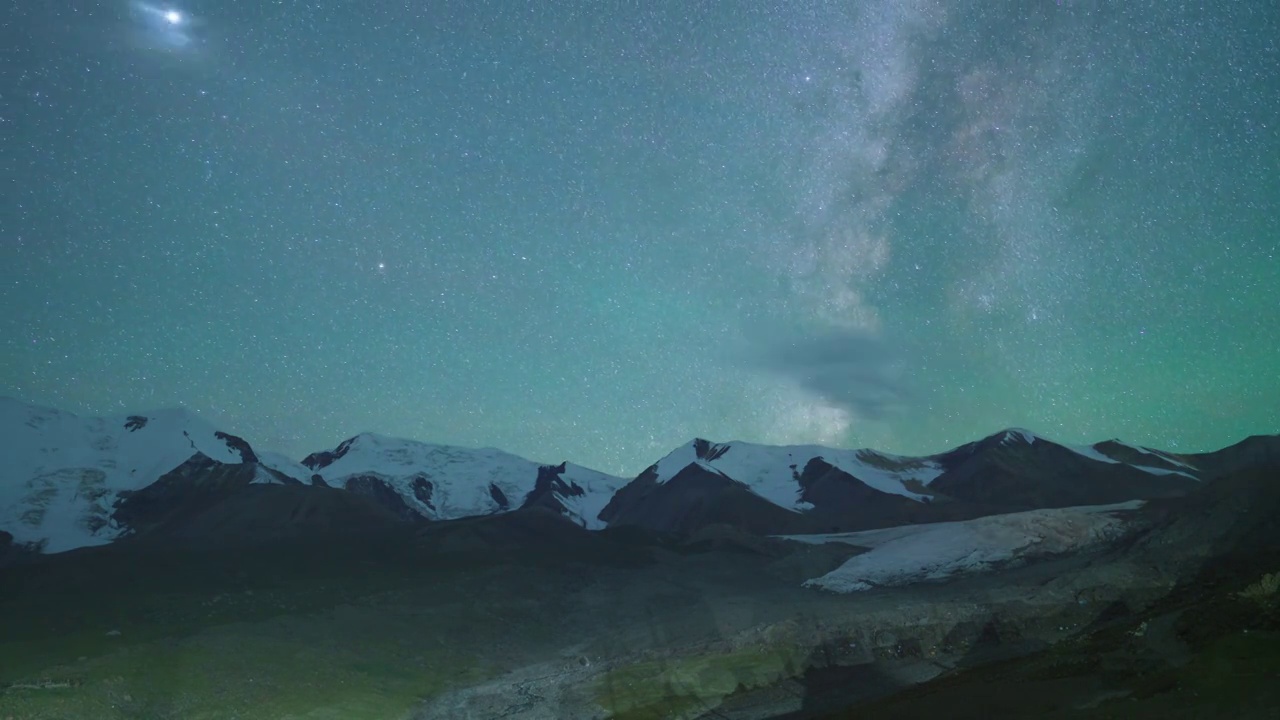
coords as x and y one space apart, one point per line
725 580
70 482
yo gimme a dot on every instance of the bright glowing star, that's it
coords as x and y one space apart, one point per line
159 15
163 27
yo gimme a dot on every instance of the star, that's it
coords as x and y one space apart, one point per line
161 27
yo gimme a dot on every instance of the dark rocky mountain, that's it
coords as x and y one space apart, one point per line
697 497
1007 473
552 491
1233 515
196 484
843 503
843 491
1258 451
268 513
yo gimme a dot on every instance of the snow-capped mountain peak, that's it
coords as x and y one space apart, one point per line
1011 436
773 471
63 472
66 476
442 482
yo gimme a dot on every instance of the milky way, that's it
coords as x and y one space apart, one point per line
592 231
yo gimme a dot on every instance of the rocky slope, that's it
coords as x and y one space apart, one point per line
1126 621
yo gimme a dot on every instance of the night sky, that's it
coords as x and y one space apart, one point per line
594 230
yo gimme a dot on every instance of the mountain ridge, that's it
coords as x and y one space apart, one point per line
79 481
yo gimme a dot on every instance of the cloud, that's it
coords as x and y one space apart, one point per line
850 369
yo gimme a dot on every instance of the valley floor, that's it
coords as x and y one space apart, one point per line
463 623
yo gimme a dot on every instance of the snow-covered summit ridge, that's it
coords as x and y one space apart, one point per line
773 471
62 473
1113 451
446 481
1018 435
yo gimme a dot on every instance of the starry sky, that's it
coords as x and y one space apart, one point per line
592 230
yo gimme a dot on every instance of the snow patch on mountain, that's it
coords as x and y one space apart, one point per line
773 471
939 551
676 460
443 482
1166 457
286 466
62 473
1164 471
1018 435
598 489
1092 453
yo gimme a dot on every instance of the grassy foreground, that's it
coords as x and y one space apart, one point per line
294 632
351 662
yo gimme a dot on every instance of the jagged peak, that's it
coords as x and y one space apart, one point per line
1016 434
